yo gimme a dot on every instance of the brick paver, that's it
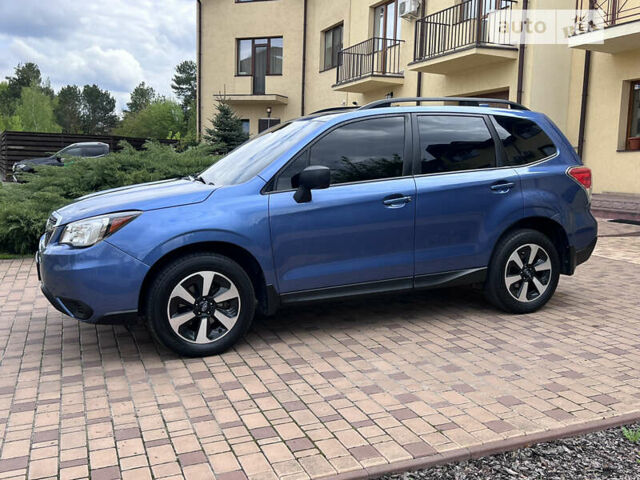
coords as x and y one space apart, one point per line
319 390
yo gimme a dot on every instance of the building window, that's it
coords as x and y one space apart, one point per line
267 123
332 46
634 115
246 125
260 54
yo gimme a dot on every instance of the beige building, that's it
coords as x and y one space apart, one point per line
274 60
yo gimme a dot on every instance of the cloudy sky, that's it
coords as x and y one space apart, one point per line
115 44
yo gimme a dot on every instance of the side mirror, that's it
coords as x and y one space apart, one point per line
59 158
312 178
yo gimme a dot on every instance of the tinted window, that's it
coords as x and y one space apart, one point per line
94 151
365 150
287 179
524 141
454 143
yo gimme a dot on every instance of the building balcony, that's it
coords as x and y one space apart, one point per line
253 99
369 65
465 36
608 26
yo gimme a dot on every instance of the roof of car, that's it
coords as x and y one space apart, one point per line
89 144
451 104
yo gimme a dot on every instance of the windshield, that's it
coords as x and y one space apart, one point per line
246 161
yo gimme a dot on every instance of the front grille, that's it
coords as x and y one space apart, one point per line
52 223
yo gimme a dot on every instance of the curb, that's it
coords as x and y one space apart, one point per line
486 449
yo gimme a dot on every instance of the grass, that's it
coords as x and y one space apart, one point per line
12 256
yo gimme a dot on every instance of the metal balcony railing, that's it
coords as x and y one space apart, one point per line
605 13
373 57
472 23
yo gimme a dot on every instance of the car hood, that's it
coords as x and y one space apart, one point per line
146 196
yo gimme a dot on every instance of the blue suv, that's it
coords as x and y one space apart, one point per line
340 203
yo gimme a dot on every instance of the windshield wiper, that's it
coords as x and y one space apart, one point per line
200 179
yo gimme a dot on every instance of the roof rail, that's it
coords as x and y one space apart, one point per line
477 102
333 109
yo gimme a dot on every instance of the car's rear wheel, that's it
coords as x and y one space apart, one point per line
200 304
524 272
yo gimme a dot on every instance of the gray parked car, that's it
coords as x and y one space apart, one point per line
84 150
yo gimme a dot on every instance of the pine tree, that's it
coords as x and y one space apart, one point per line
185 82
227 132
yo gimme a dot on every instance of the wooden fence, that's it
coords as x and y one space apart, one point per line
16 146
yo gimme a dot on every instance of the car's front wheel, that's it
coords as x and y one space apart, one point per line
200 304
524 272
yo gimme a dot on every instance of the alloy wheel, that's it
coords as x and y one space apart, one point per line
203 307
528 271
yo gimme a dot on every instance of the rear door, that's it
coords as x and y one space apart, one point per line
360 230
465 197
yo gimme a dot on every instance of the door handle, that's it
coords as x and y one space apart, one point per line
396 201
502 187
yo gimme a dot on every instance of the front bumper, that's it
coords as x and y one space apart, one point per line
99 284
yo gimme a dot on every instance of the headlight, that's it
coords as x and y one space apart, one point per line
90 231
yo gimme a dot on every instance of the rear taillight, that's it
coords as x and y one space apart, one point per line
582 175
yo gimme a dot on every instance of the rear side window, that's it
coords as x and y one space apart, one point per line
94 151
370 149
451 143
524 141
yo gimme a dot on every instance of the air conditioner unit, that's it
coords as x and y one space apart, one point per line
408 8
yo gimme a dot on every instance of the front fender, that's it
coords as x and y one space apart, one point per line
228 216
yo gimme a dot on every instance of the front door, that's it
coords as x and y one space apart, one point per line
465 200
360 229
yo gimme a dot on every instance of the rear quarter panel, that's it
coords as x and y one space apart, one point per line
550 192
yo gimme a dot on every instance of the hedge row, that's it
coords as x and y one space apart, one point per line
25 207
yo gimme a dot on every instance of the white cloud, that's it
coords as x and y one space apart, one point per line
113 43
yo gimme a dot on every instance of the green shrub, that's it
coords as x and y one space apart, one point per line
632 435
24 208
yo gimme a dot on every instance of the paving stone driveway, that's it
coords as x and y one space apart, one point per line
319 391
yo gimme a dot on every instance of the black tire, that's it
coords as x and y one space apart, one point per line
188 271
526 280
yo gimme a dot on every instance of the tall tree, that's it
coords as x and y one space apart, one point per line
68 109
25 75
227 132
12 122
161 119
185 82
141 97
98 111
35 111
4 99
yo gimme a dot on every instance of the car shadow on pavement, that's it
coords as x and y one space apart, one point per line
449 307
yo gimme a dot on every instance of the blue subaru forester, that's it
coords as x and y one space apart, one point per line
341 203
